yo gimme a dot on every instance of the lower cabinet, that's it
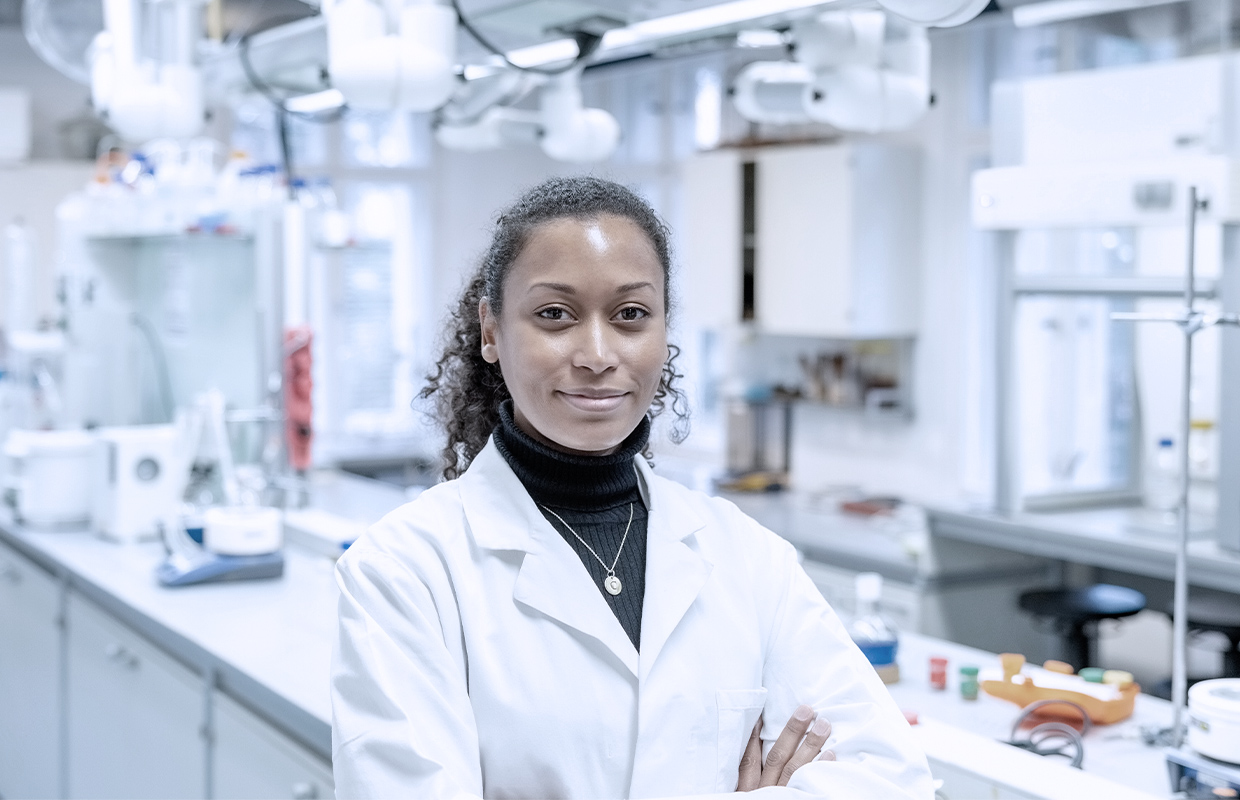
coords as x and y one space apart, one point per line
29 679
89 708
134 714
254 760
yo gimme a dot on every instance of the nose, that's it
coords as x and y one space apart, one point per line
596 350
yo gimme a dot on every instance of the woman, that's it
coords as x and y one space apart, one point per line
557 621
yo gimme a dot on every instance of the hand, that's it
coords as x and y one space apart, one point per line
800 743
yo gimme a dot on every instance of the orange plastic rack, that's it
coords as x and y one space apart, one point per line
1101 712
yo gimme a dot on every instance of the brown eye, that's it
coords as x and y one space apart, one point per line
553 314
633 314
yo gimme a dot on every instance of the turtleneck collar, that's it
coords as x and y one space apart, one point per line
562 480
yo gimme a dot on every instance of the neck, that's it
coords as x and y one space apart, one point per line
568 480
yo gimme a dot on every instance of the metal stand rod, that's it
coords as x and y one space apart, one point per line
1179 615
1190 322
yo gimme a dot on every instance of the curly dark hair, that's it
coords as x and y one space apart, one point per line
467 391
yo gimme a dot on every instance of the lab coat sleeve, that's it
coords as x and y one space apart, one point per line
811 659
402 724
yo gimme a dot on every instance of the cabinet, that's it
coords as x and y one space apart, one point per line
254 760
819 240
29 678
134 714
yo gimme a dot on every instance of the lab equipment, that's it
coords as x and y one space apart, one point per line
48 476
759 438
1102 703
1199 777
938 673
298 387
242 530
140 473
871 631
211 568
1042 738
1214 719
968 682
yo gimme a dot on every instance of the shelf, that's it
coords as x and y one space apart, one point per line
1115 286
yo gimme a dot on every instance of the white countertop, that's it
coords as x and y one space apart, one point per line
270 641
1112 752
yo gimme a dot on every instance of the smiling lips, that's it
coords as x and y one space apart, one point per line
594 400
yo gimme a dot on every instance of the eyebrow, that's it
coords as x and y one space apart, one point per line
567 289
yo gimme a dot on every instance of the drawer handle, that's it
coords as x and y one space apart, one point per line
304 790
121 655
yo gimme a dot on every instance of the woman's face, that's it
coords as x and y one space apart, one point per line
582 336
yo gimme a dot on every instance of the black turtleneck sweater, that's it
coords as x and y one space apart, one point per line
593 495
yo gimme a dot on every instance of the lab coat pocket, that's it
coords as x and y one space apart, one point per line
739 710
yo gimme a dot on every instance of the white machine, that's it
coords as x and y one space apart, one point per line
140 472
1214 719
48 476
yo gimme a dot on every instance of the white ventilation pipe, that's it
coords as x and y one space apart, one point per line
399 57
935 13
890 93
140 98
856 70
572 132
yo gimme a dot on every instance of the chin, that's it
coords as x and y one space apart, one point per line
593 439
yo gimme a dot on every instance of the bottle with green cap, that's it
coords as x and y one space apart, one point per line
968 682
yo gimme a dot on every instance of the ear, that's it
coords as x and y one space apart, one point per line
490 331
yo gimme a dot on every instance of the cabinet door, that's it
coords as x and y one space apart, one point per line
254 760
29 679
710 240
804 247
134 714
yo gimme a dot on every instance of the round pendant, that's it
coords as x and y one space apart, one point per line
612 584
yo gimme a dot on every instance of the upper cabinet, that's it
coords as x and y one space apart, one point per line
807 240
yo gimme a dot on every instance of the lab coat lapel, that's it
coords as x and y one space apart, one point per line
675 570
552 579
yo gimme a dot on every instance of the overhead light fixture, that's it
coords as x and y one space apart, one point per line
738 14
316 103
1051 11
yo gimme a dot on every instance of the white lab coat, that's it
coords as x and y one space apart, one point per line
476 657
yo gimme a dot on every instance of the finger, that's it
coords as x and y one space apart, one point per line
815 738
751 762
786 744
827 755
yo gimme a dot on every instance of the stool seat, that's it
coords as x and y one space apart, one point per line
1076 611
1100 601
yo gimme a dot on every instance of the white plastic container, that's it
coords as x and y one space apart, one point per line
1214 719
49 475
242 530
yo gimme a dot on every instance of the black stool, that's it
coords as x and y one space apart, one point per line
1209 610
1076 613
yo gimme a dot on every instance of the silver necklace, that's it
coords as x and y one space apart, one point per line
611 583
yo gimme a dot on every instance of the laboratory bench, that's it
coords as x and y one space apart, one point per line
1121 539
222 690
